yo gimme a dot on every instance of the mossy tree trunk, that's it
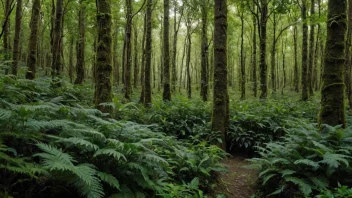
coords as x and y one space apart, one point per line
254 59
33 41
166 61
103 91
70 60
305 88
136 58
273 56
8 6
188 59
220 114
204 53
16 41
141 98
80 66
348 64
295 48
57 39
311 50
243 60
332 110
128 51
263 37
148 56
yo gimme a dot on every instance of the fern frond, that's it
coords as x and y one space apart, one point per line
305 188
110 152
79 141
308 162
5 114
109 179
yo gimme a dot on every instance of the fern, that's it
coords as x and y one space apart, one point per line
109 179
110 152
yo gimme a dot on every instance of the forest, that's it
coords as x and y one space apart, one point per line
176 98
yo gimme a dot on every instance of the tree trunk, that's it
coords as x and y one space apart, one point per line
166 61
332 110
57 40
16 41
70 62
148 57
220 115
6 30
243 61
80 65
311 50
305 88
263 37
188 61
254 61
273 57
33 41
348 63
141 99
136 57
204 53
295 77
103 91
128 52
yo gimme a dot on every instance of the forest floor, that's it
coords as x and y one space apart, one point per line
238 182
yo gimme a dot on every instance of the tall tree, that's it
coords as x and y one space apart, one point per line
348 65
263 19
148 56
16 40
166 61
220 115
305 88
57 39
332 110
311 48
103 90
128 51
204 64
33 40
254 56
243 64
81 43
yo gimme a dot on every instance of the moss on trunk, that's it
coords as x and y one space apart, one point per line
103 90
332 110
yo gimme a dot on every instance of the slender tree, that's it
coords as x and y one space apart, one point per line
311 49
332 110
305 88
204 53
348 63
166 61
148 57
33 40
103 90
220 115
16 40
57 39
80 65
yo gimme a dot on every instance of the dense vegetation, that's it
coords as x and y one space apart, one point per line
97 98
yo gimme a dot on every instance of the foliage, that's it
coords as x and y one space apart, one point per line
340 192
305 162
55 147
254 123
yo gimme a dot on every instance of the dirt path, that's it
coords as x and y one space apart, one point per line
239 182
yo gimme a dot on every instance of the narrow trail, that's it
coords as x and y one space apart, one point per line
239 182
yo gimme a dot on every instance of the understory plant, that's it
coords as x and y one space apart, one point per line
305 162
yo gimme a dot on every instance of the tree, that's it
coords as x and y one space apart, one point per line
57 39
311 49
205 49
305 88
81 45
348 63
103 90
220 115
128 51
167 87
332 110
33 41
16 40
148 56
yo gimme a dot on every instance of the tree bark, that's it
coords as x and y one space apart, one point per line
136 57
166 61
80 65
103 90
296 76
220 115
348 63
128 52
57 40
332 110
305 88
311 49
204 53
16 41
263 37
148 58
33 41
254 61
